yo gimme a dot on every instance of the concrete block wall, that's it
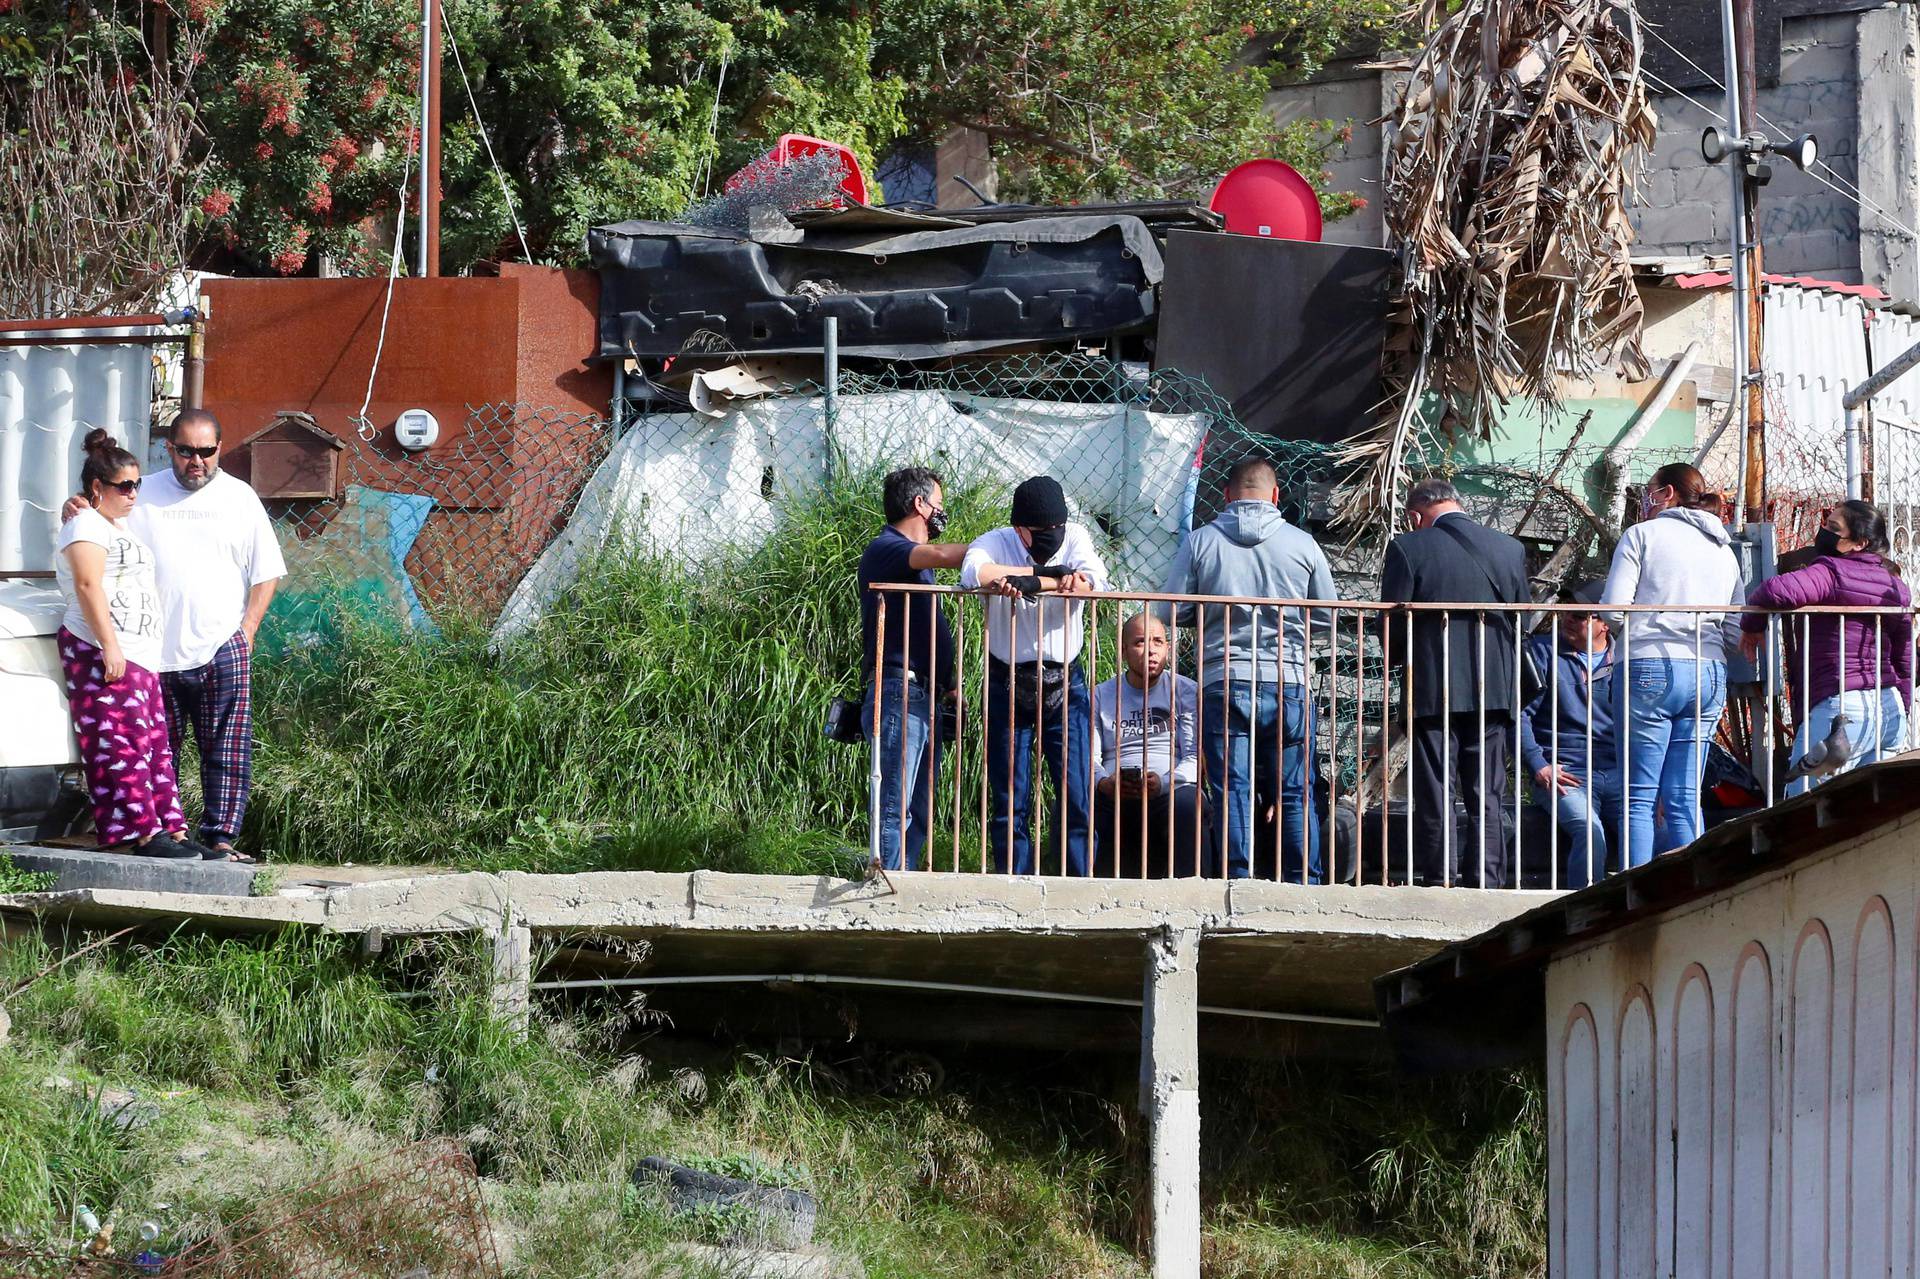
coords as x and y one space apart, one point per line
1807 228
1889 148
1346 95
1830 65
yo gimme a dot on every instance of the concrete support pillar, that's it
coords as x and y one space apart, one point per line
1888 52
513 973
1170 1099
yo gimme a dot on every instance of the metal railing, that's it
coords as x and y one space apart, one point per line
1336 775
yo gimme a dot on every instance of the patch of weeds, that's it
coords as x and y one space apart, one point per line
266 882
15 878
745 1167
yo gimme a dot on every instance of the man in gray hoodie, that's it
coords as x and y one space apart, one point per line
1256 712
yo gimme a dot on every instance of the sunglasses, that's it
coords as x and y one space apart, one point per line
187 451
126 488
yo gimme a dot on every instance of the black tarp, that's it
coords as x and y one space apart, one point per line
1289 331
898 291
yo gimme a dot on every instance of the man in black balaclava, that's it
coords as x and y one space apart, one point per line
1035 689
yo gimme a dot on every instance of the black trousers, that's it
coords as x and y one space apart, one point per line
1140 844
1456 762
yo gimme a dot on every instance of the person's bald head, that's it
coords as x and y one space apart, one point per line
1144 647
1253 480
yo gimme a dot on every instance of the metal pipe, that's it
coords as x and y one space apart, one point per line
1853 450
427 253
830 350
944 987
1613 465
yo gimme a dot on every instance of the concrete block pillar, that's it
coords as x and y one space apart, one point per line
1888 55
513 973
1170 1100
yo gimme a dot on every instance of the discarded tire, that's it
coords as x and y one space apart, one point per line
769 1216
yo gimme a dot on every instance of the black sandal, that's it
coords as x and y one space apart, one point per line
165 846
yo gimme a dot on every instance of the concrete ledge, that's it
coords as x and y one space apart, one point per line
75 868
1273 948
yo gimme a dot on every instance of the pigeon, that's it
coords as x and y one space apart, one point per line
1827 757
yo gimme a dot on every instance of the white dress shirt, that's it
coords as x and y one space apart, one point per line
1051 628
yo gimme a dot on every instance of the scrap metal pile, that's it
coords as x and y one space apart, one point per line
1521 132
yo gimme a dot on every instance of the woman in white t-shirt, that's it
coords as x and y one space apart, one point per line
109 645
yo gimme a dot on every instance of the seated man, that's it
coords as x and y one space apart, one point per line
1146 765
1580 791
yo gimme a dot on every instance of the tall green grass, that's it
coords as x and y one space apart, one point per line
274 1061
662 716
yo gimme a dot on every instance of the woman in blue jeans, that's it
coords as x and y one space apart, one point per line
1671 684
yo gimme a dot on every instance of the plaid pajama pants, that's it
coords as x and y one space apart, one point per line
217 700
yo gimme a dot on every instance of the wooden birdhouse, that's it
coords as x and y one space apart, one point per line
292 457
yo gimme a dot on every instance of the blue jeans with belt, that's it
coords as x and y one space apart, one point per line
1240 786
909 757
1063 736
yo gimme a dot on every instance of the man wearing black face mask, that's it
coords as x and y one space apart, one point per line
1036 692
916 669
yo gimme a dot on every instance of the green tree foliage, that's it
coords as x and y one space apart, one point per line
603 109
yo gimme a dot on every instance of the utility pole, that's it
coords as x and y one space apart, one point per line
1754 468
1736 37
427 262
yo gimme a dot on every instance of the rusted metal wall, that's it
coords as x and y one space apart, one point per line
463 349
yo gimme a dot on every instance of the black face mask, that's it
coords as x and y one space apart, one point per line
936 522
1827 542
1046 543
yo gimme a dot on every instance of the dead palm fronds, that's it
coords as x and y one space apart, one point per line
1521 129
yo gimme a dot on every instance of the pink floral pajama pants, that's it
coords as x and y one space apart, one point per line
124 753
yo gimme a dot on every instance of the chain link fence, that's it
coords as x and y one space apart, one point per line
495 524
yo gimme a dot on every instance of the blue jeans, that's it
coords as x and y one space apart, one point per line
907 753
1876 727
1587 810
1063 737
1239 786
1664 744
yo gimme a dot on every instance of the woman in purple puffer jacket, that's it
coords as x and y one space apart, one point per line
1859 667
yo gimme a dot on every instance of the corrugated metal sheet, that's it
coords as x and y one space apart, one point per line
1815 349
1889 335
50 397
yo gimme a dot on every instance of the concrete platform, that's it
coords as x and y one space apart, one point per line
90 868
1264 949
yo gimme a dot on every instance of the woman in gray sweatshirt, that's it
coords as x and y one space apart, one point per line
1672 682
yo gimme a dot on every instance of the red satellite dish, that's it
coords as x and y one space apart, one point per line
1269 198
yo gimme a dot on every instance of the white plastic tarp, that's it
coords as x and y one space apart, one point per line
696 487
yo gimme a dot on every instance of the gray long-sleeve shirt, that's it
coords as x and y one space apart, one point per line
1251 551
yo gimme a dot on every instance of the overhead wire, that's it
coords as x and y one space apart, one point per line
713 123
360 420
1839 183
506 191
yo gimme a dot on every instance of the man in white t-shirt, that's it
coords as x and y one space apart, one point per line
218 563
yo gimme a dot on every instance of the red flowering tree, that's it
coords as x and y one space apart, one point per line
308 106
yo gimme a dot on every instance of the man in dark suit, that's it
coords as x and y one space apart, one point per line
1461 667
